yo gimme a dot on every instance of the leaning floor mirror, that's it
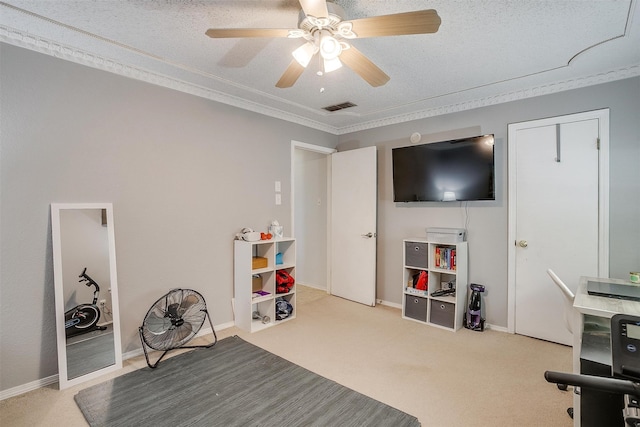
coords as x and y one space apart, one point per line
86 291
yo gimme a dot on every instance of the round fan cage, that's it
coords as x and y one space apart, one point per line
174 320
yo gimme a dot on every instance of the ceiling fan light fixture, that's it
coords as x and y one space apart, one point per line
330 48
304 53
331 64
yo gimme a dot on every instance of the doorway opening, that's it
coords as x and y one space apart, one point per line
310 212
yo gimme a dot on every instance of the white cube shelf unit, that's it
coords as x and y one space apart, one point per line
444 264
255 309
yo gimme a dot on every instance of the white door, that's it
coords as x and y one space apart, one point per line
554 196
353 225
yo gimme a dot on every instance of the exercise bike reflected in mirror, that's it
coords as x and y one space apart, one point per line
84 318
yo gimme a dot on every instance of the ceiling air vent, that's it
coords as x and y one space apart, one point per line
339 106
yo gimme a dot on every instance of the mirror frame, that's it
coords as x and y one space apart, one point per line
63 379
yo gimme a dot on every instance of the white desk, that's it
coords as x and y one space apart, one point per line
602 307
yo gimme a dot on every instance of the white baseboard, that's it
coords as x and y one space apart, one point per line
204 331
311 285
389 304
224 326
496 328
25 388
43 382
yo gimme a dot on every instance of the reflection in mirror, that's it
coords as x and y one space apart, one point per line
87 321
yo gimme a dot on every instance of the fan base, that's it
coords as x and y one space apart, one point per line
154 365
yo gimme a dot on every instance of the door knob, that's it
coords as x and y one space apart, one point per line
369 235
523 243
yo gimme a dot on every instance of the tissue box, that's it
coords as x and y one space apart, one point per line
259 262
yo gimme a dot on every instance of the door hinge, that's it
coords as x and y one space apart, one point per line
558 142
598 144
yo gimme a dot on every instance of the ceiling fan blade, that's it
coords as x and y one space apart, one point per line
226 33
363 66
317 8
290 75
418 22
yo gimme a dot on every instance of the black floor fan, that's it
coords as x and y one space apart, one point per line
172 321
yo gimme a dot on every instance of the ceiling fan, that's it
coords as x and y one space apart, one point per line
325 31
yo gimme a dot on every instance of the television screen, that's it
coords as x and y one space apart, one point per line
458 170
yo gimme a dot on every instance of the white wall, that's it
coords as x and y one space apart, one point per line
487 221
184 175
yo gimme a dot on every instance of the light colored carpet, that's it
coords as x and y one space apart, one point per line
443 378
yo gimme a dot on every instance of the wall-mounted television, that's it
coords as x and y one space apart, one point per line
457 170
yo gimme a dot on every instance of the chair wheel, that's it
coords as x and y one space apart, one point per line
570 412
562 387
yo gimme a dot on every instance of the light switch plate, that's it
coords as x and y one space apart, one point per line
278 187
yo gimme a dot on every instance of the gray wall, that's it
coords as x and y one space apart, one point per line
84 243
311 218
184 175
487 221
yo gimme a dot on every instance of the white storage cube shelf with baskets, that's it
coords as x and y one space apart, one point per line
432 267
264 283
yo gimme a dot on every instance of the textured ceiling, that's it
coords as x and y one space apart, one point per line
485 52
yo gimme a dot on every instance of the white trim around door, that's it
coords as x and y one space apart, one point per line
297 145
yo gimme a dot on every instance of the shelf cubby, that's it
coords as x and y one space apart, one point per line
246 301
445 264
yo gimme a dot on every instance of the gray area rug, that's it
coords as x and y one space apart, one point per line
233 383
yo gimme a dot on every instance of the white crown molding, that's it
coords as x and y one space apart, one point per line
532 92
39 44
22 39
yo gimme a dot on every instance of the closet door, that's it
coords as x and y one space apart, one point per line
555 217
